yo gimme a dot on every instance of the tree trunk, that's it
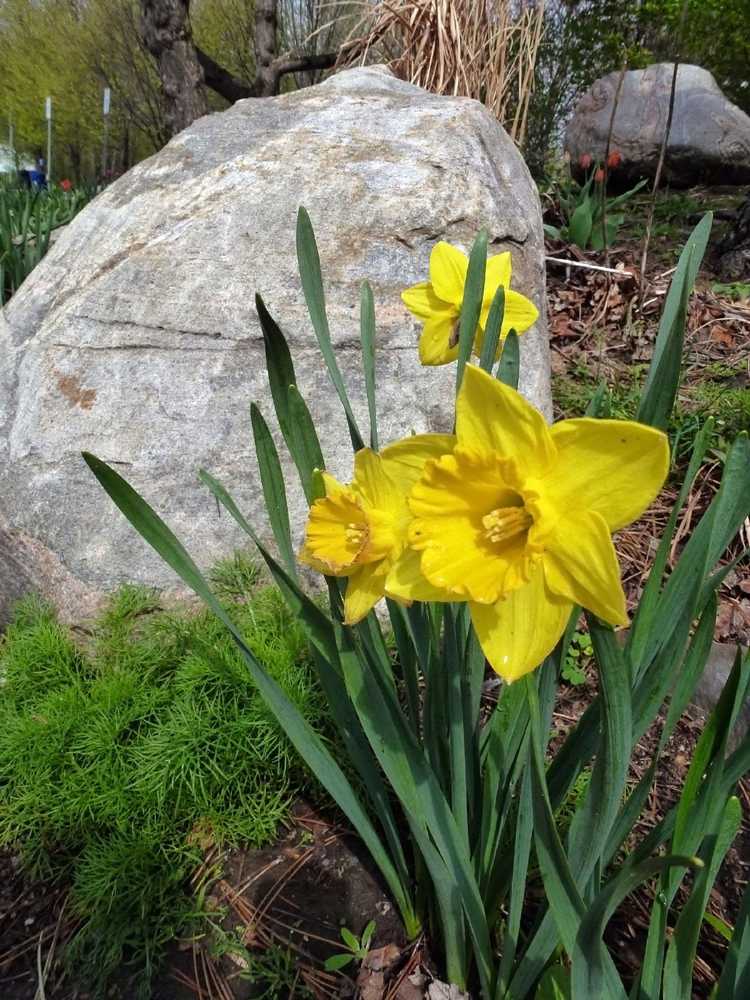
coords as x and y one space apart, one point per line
266 76
165 25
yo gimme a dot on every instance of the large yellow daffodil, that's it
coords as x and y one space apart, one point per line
360 531
438 303
517 519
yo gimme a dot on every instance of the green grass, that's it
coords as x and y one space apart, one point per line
123 753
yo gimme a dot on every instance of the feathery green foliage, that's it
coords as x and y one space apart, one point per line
121 755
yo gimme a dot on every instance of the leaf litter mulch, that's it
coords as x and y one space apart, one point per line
602 329
276 914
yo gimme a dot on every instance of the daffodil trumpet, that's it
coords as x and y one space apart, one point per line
360 531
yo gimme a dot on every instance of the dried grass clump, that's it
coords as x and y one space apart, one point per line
485 49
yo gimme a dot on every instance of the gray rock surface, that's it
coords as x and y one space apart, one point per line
711 684
136 338
709 140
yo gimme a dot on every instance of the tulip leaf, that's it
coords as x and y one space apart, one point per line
367 335
308 259
580 224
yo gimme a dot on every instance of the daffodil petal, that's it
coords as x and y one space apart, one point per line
435 340
448 267
406 582
328 540
307 559
519 631
614 467
372 481
520 312
422 301
405 460
580 564
332 486
363 591
497 272
494 417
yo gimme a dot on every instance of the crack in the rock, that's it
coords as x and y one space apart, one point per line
211 334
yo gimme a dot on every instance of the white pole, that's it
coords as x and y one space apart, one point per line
105 139
48 116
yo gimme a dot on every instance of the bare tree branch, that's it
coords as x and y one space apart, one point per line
221 80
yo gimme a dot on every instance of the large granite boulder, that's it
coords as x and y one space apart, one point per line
136 338
709 140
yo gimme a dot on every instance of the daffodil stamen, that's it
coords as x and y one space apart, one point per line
505 523
356 533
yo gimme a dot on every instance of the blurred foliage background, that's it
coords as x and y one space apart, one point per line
71 49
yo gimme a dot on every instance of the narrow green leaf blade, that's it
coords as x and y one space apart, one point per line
294 418
492 331
308 259
510 361
471 308
367 334
305 740
662 381
274 491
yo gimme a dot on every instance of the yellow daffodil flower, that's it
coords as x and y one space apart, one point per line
360 531
517 519
438 303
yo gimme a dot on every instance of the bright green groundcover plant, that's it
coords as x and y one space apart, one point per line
486 543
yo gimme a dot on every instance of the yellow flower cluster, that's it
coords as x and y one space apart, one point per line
509 515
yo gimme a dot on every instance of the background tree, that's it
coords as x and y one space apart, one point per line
185 66
167 34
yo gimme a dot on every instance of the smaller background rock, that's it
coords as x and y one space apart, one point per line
709 140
